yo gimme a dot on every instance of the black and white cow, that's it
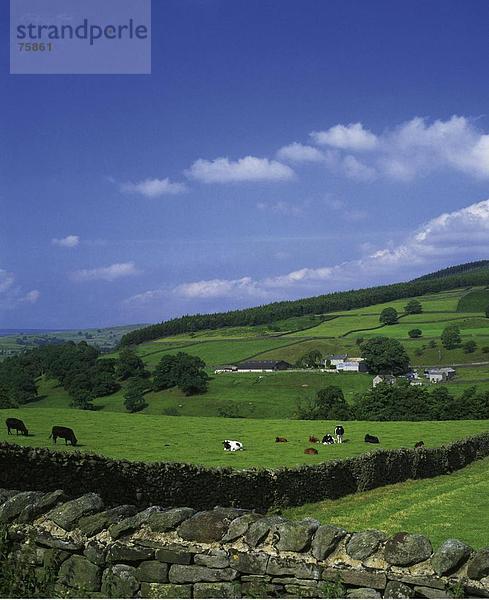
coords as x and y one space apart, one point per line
339 432
232 445
328 439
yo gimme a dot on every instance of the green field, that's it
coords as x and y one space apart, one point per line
338 333
270 395
449 506
190 439
475 301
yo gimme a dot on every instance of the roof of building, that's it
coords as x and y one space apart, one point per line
262 364
338 356
385 377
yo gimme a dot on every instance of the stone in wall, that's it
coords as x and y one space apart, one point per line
225 553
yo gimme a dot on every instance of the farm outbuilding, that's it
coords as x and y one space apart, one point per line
261 366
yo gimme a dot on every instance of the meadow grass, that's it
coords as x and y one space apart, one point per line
269 395
477 300
447 506
215 352
196 440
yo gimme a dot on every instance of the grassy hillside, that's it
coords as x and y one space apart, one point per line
271 395
276 395
190 439
474 301
449 506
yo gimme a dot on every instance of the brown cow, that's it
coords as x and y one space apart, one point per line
280 439
310 451
313 439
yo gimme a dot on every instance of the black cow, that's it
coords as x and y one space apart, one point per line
16 424
64 432
419 444
339 432
328 439
371 439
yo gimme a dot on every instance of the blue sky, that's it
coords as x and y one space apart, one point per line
280 149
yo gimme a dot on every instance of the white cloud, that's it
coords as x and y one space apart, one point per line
355 169
280 208
412 149
110 273
70 241
12 295
249 168
152 188
299 153
346 137
32 297
217 288
449 238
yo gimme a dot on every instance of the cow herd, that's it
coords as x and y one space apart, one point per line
328 439
229 445
57 431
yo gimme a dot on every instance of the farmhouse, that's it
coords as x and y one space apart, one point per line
436 375
263 366
354 365
335 359
225 369
389 379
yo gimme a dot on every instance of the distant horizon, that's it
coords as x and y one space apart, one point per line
87 327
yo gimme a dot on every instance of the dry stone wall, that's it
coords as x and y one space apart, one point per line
173 484
90 549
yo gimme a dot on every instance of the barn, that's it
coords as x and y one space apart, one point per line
263 366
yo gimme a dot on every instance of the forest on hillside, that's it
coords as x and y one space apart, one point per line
464 275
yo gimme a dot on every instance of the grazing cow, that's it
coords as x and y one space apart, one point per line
232 445
371 439
328 439
310 451
313 439
339 432
64 432
419 444
281 439
16 424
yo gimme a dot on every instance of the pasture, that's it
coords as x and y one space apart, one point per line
448 506
191 439
338 333
270 395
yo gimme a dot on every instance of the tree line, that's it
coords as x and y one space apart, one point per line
85 376
399 402
270 313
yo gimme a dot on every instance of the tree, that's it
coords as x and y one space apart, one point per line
450 337
193 383
389 316
165 373
129 365
329 403
415 333
469 347
487 312
182 370
134 395
311 359
82 399
413 307
385 355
